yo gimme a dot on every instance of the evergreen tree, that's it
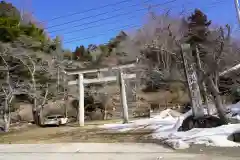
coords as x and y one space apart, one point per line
8 10
198 27
79 52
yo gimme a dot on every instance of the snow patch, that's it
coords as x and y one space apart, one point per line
167 123
234 112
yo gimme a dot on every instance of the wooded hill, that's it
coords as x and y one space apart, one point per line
32 63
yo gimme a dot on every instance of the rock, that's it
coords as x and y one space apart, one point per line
179 144
96 115
235 137
169 112
203 122
15 117
72 119
24 113
141 112
1 125
53 107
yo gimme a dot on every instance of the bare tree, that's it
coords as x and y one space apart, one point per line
32 70
212 60
7 94
163 36
24 59
38 92
156 48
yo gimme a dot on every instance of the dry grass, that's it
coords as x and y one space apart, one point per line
73 134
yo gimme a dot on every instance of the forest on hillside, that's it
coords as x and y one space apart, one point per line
32 63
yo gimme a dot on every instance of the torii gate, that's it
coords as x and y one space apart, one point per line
120 78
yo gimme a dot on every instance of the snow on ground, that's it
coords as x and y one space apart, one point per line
235 110
166 124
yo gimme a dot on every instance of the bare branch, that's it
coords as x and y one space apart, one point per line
45 96
8 76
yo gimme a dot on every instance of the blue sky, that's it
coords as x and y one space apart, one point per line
219 11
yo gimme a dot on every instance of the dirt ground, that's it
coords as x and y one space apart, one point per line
31 134
70 134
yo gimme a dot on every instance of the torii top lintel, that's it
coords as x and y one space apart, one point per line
93 69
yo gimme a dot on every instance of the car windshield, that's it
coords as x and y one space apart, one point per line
51 117
55 116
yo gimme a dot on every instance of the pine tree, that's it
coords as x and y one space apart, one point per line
197 37
198 27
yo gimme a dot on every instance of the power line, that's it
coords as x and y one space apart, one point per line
212 5
116 29
92 9
117 21
86 28
100 14
113 29
126 13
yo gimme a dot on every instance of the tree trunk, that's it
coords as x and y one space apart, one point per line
202 85
205 96
6 123
35 110
35 116
217 100
35 113
65 110
38 117
41 116
7 117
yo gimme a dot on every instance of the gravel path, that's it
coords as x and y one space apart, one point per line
219 151
100 151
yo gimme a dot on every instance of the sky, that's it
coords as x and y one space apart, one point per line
89 28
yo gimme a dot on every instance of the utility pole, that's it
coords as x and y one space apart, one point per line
237 10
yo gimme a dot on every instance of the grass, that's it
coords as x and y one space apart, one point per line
97 122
